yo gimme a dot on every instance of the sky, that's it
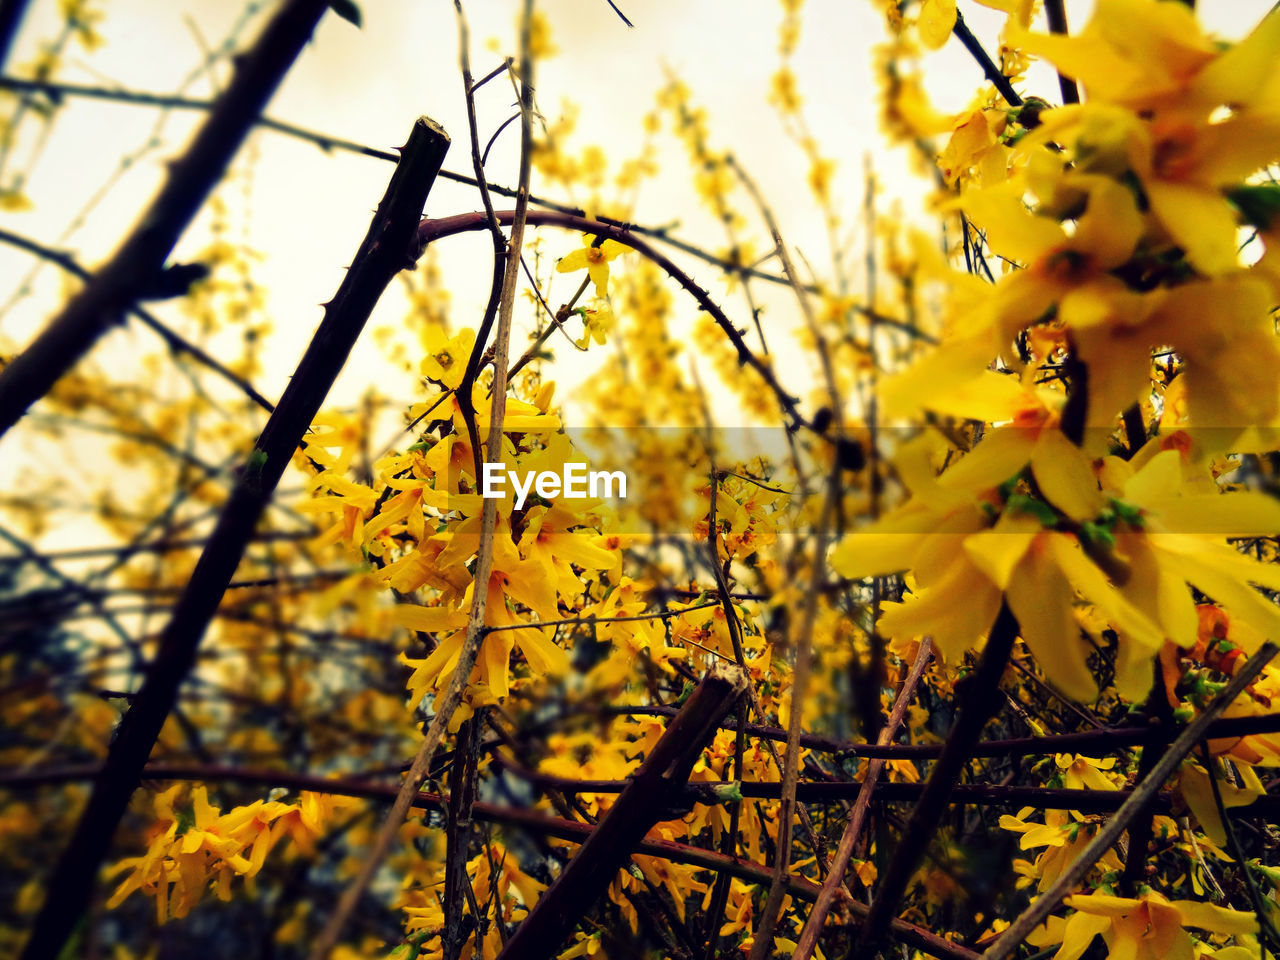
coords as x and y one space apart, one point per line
306 210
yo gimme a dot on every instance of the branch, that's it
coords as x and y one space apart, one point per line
11 14
1105 739
448 703
432 230
763 945
176 342
975 707
992 72
818 915
385 251
140 258
1055 11
1196 731
647 799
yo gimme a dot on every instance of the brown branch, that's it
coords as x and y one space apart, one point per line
763 944
458 818
173 340
136 264
975 707
1196 731
463 394
818 915
645 801
1106 739
385 251
436 229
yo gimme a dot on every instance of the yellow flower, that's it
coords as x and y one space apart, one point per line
1148 928
1157 89
446 359
1084 773
598 322
595 260
1063 838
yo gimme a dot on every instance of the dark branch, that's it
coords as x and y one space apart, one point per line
386 249
134 267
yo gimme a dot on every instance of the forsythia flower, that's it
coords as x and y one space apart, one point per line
1146 928
595 260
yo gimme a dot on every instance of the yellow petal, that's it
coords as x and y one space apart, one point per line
1011 229
937 18
577 260
998 551
1065 476
1078 933
1244 514
428 619
1111 225
1208 916
1041 598
1237 75
1095 588
1200 220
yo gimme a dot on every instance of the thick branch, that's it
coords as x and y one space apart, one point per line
174 341
386 249
817 916
645 801
975 707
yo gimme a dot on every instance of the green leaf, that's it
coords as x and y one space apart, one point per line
1021 503
1128 512
1257 203
726 792
1097 534
348 11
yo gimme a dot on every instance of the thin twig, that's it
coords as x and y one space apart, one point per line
448 703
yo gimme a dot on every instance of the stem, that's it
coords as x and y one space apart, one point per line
818 915
448 703
645 801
